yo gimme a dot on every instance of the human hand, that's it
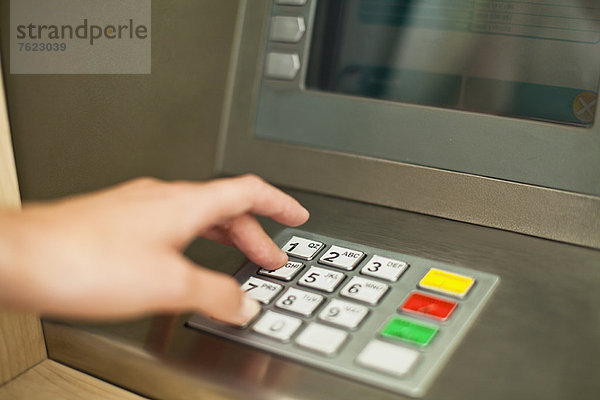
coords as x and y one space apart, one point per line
117 253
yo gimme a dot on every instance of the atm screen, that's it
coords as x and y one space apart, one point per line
535 60
498 89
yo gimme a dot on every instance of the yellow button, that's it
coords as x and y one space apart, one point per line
447 282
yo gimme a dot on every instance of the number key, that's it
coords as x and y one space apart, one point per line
302 248
299 301
285 273
344 313
364 290
321 279
277 326
261 290
341 257
384 268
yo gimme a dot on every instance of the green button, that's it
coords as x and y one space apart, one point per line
409 331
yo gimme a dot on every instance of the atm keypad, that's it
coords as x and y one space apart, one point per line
372 315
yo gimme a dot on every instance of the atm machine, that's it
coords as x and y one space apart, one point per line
450 157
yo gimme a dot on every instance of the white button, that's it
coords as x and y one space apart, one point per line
277 326
291 2
285 273
364 290
388 358
342 257
321 279
344 313
282 66
384 268
261 290
287 29
302 248
299 301
322 339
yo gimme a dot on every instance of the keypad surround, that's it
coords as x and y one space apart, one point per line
363 327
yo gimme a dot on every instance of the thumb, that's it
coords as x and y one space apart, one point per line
216 295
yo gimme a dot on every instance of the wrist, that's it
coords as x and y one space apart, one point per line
5 248
8 257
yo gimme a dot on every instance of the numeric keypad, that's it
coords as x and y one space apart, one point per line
359 311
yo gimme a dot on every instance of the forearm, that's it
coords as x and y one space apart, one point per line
117 253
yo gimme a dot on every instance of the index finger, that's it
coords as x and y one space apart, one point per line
227 198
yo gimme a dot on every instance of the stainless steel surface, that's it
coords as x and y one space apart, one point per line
539 336
82 132
384 301
533 210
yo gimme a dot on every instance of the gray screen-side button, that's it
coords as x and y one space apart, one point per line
287 29
282 66
291 2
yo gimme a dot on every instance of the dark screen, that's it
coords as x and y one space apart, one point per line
537 60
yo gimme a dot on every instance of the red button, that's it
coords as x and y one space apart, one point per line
429 306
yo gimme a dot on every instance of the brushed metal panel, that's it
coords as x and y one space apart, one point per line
74 133
528 209
536 338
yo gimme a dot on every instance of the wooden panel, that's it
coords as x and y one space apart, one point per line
9 192
21 344
21 340
51 380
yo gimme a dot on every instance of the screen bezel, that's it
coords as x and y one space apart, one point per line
535 210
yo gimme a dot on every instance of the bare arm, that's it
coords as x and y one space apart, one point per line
117 253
